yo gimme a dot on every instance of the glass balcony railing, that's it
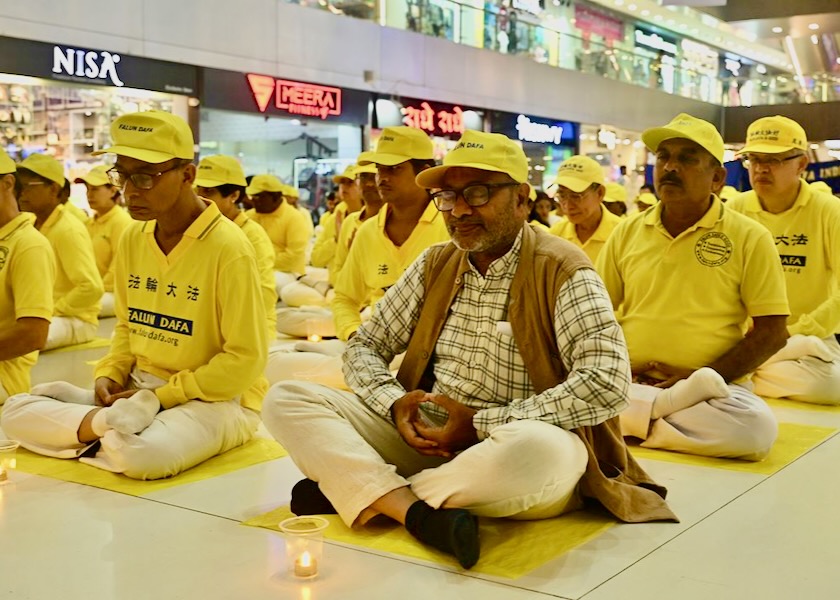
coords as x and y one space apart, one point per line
489 28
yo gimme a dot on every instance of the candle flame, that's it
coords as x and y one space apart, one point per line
306 559
314 338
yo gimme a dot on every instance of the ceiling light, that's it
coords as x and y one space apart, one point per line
813 26
645 12
761 69
777 30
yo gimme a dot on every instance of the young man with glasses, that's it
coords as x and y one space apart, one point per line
805 225
700 295
78 285
580 191
189 316
27 276
505 403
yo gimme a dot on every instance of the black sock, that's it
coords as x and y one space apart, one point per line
450 530
308 499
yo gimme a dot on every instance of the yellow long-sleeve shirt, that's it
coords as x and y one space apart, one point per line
807 237
374 264
264 254
105 232
194 317
324 248
27 277
349 227
287 231
78 286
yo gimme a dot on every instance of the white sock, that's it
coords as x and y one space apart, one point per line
703 384
66 392
798 346
127 415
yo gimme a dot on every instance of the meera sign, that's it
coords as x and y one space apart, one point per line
295 97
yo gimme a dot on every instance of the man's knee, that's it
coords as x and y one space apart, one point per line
535 451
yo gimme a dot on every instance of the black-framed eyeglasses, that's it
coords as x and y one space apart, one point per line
142 181
751 160
474 195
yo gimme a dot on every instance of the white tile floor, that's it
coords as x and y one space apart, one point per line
742 536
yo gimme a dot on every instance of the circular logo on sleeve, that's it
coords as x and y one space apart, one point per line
713 249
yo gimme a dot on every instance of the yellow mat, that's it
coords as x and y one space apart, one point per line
94 343
794 440
776 403
508 548
254 452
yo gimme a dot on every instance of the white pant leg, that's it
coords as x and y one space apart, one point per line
355 455
805 378
305 366
45 425
299 294
179 438
303 322
318 273
107 302
523 470
740 426
65 331
282 279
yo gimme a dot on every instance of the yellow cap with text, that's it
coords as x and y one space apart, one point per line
397 145
772 135
684 126
152 136
219 169
578 173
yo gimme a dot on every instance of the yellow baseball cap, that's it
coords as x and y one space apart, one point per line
397 145
265 183
480 150
366 168
647 198
7 165
291 191
45 166
532 193
772 135
97 176
152 136
578 173
615 192
685 126
219 169
349 174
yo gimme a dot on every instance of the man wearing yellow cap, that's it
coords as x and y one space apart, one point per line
283 224
615 199
805 224
512 352
220 179
78 285
646 200
27 275
348 201
580 192
291 194
700 295
105 229
190 339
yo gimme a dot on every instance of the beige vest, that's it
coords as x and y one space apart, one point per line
613 477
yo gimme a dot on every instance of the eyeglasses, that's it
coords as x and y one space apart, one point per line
751 160
26 184
474 195
142 181
573 197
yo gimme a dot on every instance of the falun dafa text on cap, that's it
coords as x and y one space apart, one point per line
219 169
684 126
397 145
773 135
480 150
152 136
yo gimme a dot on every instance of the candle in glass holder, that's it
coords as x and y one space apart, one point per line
306 565
314 338
7 458
304 545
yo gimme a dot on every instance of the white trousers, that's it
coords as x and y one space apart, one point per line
523 470
66 331
282 279
800 375
740 426
179 438
107 302
303 322
283 365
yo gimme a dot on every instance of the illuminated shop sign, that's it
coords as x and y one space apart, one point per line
435 118
655 42
295 97
535 130
87 63
445 122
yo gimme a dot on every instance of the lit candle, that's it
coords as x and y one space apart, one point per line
4 476
306 565
314 338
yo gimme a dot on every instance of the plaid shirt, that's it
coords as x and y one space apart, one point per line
476 361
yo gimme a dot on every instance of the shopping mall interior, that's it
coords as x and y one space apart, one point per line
297 89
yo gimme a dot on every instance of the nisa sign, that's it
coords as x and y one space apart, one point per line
295 97
87 64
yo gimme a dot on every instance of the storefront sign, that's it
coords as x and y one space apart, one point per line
655 41
592 21
426 118
95 67
273 96
295 97
435 118
536 130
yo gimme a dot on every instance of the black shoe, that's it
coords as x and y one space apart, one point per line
308 499
450 530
